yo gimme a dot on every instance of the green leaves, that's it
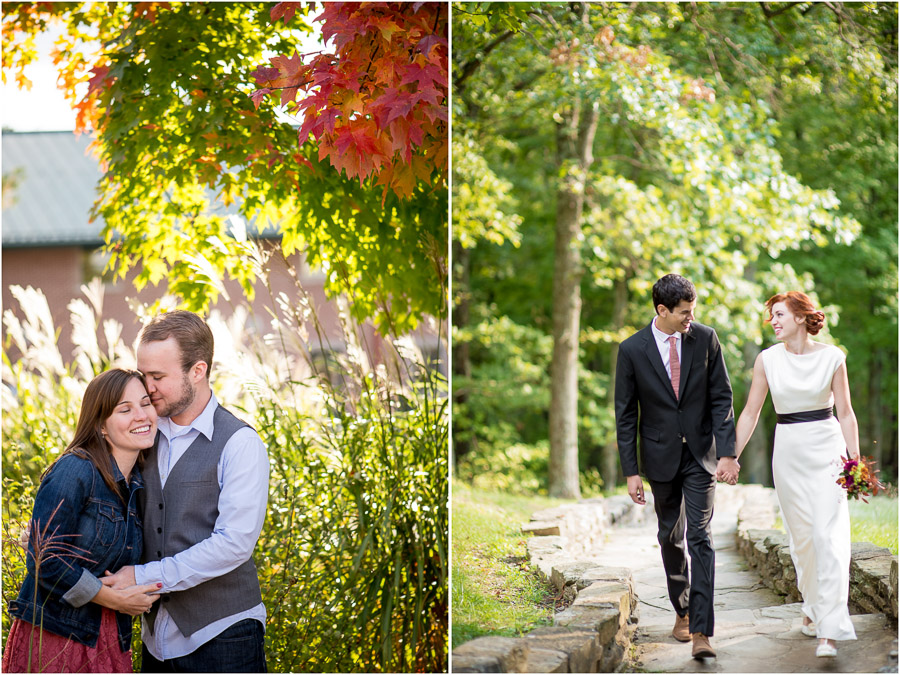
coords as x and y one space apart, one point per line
177 130
750 157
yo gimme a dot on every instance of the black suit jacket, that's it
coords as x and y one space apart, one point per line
646 405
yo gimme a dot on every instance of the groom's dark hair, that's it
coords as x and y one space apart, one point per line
672 289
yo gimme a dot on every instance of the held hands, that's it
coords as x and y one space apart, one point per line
727 470
124 578
636 489
137 599
123 595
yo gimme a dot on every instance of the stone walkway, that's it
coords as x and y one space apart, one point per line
755 631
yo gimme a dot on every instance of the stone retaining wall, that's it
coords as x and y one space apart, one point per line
873 570
594 633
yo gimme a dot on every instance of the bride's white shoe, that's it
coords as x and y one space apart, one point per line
808 629
826 650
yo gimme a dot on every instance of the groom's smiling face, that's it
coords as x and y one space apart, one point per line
676 319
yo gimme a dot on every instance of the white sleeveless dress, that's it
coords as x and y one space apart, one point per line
805 466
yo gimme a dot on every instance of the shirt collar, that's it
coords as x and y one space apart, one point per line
202 423
663 337
136 479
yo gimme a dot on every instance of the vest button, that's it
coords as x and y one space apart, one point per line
159 554
160 507
159 530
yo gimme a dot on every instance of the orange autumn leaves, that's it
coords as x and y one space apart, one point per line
377 105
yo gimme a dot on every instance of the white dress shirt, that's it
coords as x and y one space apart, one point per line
662 343
243 473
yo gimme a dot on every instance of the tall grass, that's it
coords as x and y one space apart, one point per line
353 554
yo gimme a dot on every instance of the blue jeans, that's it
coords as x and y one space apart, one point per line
238 649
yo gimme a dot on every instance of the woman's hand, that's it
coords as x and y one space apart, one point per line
134 600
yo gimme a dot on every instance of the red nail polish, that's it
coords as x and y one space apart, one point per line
159 585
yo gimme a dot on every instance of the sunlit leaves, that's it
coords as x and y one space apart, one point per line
171 102
482 201
379 99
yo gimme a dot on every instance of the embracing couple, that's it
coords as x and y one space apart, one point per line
154 509
673 392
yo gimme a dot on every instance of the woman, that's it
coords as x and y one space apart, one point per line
85 521
807 378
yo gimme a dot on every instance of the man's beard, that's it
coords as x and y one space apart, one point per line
182 404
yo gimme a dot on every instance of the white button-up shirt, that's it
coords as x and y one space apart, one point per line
662 343
243 473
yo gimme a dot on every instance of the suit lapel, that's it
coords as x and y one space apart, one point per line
688 343
652 351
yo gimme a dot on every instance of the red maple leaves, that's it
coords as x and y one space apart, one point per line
377 106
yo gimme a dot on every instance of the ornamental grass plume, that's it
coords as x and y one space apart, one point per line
859 478
41 546
353 557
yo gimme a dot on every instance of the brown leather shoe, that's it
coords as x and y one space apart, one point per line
682 631
702 649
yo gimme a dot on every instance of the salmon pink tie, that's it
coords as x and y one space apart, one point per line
674 365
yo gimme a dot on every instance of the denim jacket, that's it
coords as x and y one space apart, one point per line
84 529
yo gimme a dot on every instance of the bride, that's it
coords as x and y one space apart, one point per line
807 379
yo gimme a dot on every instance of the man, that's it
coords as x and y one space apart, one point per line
204 504
672 390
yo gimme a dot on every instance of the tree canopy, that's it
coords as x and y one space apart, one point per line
353 174
726 136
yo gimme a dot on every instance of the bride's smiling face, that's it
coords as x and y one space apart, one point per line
785 324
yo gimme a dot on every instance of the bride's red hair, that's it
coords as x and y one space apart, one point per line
800 305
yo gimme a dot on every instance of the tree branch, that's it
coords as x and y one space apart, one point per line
778 36
769 13
469 68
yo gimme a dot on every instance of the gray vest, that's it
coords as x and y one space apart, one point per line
183 514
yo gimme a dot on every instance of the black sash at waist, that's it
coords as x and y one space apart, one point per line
805 416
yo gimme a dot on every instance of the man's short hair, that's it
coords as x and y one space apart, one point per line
671 290
193 336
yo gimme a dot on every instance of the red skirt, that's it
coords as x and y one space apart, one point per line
31 649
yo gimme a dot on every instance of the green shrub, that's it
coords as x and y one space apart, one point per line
516 469
501 411
352 558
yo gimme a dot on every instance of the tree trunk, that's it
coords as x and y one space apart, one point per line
574 141
462 363
609 470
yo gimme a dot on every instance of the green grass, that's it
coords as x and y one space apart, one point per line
494 590
875 522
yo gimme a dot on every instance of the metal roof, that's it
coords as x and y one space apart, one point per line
54 185
55 179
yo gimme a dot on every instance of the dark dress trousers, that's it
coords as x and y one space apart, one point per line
681 440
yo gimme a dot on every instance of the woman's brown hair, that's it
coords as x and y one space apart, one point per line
101 397
800 305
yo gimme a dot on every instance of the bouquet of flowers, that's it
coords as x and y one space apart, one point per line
859 478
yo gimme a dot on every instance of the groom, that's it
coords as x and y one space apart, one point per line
672 391
207 485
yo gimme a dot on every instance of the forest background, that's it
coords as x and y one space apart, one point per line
751 147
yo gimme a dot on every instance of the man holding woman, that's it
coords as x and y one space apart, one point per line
202 501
